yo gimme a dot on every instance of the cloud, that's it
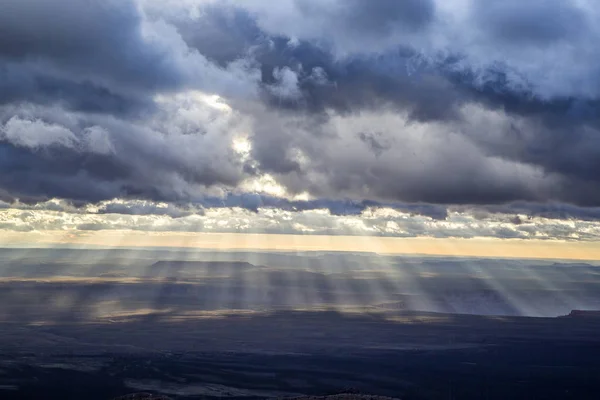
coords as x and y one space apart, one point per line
49 152
286 85
348 25
416 106
64 49
141 207
433 86
428 162
35 134
102 56
536 22
373 140
370 222
530 210
471 31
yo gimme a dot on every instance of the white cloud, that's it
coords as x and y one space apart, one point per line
287 84
35 134
161 217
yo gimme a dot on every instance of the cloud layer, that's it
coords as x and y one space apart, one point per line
303 105
371 221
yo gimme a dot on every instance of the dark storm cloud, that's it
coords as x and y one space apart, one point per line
65 173
544 210
223 34
88 55
562 132
560 135
79 117
49 153
541 142
374 82
20 84
94 39
429 88
534 22
226 34
376 17
58 173
336 207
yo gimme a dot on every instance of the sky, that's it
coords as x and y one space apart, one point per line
401 121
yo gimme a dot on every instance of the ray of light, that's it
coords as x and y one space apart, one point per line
500 288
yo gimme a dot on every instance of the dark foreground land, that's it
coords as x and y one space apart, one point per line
95 325
406 355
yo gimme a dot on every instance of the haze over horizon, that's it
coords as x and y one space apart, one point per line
203 241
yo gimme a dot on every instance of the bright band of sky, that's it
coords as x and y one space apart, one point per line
513 248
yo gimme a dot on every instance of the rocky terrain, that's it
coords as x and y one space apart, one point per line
99 325
292 354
